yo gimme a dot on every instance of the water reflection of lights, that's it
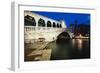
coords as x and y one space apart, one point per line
73 42
79 44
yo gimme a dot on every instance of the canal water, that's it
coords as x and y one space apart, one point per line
77 49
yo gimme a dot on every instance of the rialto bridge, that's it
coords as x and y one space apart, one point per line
38 27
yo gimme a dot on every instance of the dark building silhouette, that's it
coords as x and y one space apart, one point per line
77 29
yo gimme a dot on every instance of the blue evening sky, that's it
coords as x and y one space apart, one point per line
69 18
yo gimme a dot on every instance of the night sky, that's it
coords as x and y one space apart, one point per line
69 18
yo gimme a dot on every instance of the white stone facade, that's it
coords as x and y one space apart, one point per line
33 33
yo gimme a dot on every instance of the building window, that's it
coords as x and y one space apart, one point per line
41 22
54 24
29 21
57 25
48 24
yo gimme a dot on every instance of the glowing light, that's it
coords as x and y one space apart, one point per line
80 44
73 42
80 36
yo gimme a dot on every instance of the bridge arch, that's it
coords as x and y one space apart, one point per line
41 22
29 21
48 23
63 38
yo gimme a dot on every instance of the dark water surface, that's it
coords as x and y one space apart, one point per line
77 49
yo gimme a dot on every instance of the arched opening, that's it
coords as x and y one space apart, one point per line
29 21
48 24
63 38
54 24
41 22
57 25
60 26
63 48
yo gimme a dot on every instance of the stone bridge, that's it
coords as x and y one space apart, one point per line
38 27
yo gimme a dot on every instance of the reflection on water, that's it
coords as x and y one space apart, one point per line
79 49
78 43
